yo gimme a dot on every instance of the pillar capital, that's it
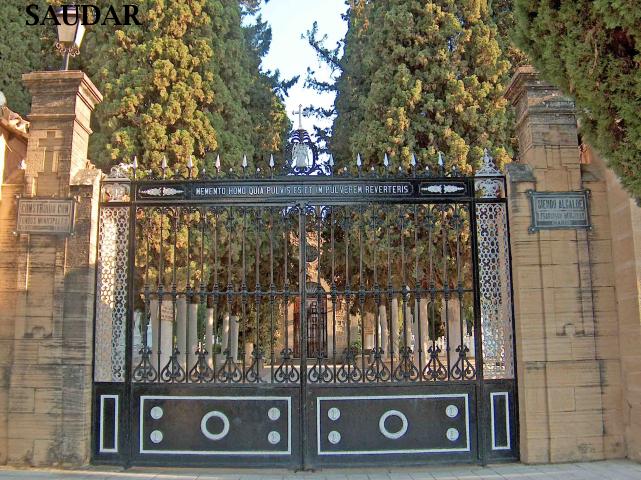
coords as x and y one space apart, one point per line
62 103
544 115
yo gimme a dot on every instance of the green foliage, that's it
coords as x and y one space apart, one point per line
23 49
187 81
157 83
591 50
502 12
421 77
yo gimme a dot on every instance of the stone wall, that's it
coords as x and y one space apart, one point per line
625 225
577 378
47 285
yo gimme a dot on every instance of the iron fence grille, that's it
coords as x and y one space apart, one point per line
337 279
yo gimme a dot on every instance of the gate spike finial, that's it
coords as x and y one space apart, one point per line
441 164
134 164
244 161
413 160
190 166
386 160
271 161
218 163
359 162
163 165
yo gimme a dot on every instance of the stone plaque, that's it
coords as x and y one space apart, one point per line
559 210
36 215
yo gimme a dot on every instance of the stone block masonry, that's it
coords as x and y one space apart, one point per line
47 290
575 366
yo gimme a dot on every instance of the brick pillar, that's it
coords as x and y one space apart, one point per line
52 300
563 367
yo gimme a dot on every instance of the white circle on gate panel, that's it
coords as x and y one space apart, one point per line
215 436
273 413
334 413
452 434
156 436
273 437
386 432
156 413
334 437
451 411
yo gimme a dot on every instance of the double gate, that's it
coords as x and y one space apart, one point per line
304 320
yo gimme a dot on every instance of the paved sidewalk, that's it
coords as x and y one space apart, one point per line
610 470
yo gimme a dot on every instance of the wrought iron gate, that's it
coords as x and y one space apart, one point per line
305 321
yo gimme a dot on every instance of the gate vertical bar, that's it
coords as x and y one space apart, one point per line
515 390
481 433
129 385
302 333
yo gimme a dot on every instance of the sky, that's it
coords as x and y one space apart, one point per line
292 55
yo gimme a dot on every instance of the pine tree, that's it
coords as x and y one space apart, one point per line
591 50
425 77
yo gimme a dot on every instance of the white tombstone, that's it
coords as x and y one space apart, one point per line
409 327
383 331
181 330
424 324
225 338
394 327
166 331
369 330
153 341
233 334
452 317
209 335
249 350
192 334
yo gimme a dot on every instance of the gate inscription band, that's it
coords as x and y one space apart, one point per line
295 189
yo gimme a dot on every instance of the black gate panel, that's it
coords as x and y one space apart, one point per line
108 439
500 420
400 425
216 426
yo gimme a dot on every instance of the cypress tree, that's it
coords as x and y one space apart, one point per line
185 82
591 50
157 86
423 77
23 49
352 85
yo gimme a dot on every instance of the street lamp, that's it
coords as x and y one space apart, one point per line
70 32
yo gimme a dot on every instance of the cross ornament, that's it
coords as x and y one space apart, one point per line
50 143
300 116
